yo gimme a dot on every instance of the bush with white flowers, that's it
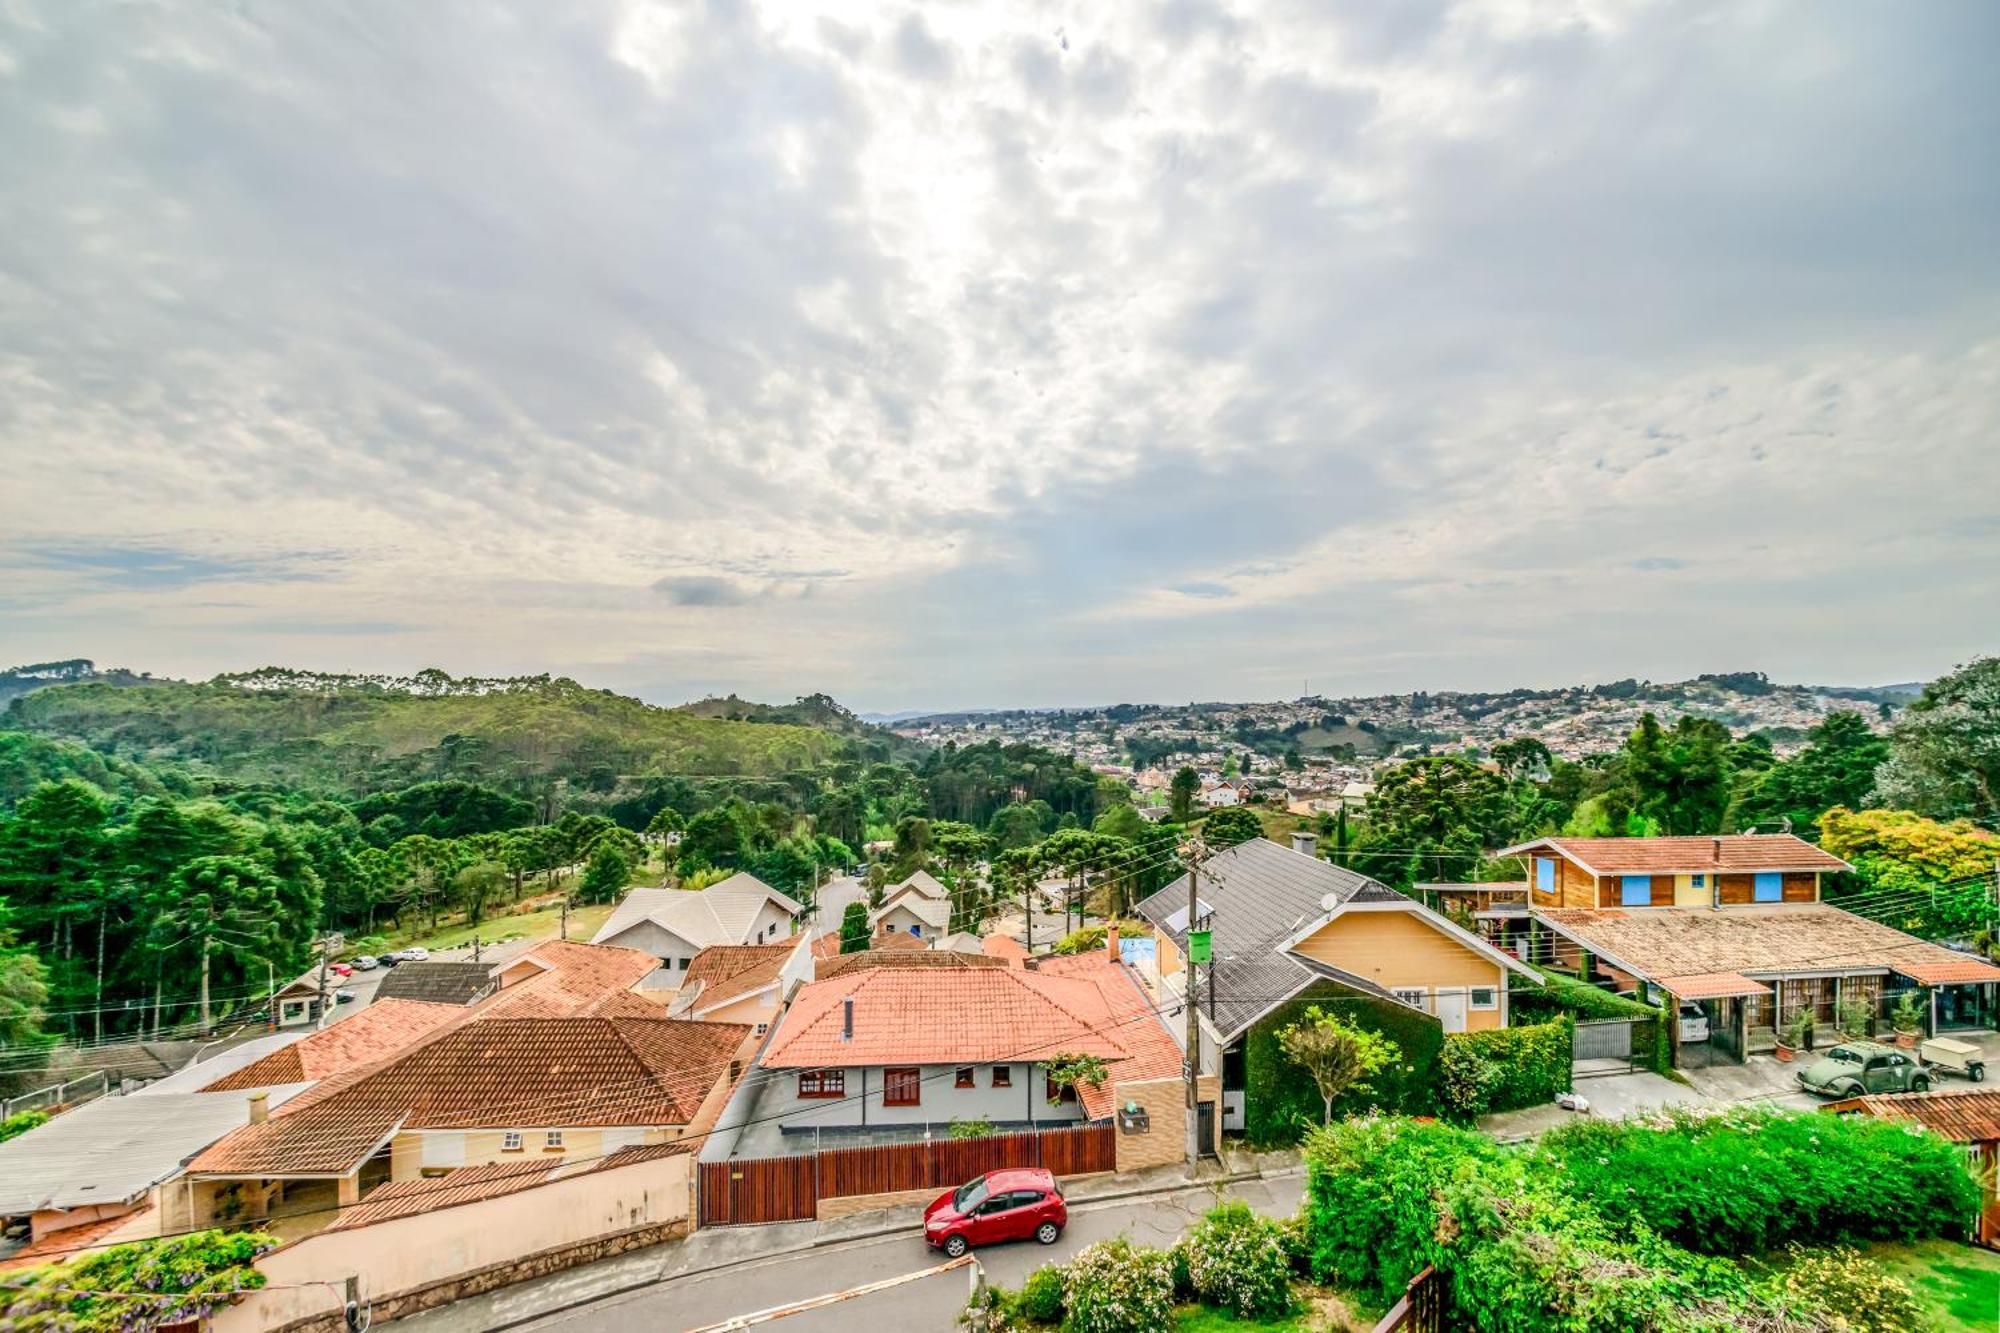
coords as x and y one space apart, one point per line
1115 1286
1236 1260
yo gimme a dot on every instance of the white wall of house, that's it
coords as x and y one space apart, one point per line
939 1100
655 939
902 921
773 925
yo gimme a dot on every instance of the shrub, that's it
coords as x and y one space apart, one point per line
1562 994
1041 1297
970 1129
1743 1182
1280 1103
16 1125
1115 1286
1530 1066
1236 1261
1840 1289
185 1278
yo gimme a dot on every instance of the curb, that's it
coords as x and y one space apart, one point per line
873 1234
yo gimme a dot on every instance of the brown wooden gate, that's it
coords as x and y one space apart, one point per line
750 1191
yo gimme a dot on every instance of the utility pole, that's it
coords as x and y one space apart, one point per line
565 917
1194 1144
475 947
325 958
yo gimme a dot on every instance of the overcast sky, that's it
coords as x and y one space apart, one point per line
1008 355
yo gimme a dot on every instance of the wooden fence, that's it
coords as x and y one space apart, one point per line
1422 1309
754 1190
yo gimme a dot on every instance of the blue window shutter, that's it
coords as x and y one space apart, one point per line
1545 874
1770 886
1635 890
1700 881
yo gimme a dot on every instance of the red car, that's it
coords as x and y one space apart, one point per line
1013 1204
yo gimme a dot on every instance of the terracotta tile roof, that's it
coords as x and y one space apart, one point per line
473 1184
1963 1115
979 1015
1950 971
725 972
1004 946
1730 851
1757 941
57 1246
576 979
381 1029
495 1073
842 964
1712 986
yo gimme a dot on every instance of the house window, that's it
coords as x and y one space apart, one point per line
1698 881
1635 890
552 1138
902 1087
511 1141
1003 1076
1770 886
823 1083
762 1028
1416 998
1485 997
1058 1095
964 1078
1545 875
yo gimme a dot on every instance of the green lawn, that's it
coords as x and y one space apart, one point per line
1960 1283
1202 1319
542 923
1320 1311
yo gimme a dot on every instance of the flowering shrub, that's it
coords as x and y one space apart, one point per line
1839 1289
1115 1286
1236 1260
172 1281
1041 1296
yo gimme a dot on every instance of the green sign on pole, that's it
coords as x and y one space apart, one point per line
1198 946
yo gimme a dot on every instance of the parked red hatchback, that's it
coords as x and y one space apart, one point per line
1013 1204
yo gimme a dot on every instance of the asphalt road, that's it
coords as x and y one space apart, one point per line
932 1303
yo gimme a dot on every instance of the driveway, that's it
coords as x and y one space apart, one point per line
755 1280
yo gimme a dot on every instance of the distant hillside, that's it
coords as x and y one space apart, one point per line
351 734
820 711
20 680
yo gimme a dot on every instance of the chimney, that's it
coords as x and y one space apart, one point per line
1307 843
847 1019
260 1107
1111 940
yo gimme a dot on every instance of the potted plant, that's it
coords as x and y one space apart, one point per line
1792 1039
1857 1017
1908 1019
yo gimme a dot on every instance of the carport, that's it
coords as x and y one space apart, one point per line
1722 997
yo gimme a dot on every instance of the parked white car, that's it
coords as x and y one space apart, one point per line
366 963
416 955
1694 1022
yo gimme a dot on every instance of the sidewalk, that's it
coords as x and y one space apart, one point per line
718 1248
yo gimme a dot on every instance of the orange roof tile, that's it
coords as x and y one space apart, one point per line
726 971
980 1015
576 979
497 1073
381 1029
1690 855
1949 971
1771 940
1711 986
841 965
1963 1115
1004 946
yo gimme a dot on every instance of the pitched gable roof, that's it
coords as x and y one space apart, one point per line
494 1073
568 979
900 956
923 883
725 972
438 983
1963 1115
1260 895
1687 855
722 913
933 912
381 1029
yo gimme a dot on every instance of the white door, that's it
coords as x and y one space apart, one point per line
1451 1009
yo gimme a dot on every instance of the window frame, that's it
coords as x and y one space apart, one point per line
902 1085
512 1141
1545 869
1492 997
1003 1076
552 1138
965 1076
1402 994
826 1083
1065 1095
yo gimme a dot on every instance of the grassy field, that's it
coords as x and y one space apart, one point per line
543 922
1960 1283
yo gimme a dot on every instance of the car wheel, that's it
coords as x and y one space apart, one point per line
954 1246
1920 1084
1047 1232
1976 1073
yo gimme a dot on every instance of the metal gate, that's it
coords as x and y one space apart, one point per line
1603 1045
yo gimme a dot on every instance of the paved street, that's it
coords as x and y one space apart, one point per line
759 1283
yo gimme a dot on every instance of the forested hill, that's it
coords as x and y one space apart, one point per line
20 680
349 735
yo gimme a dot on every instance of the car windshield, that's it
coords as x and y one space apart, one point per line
970 1196
1845 1056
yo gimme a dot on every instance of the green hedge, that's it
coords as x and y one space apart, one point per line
1280 1102
1563 994
1532 1064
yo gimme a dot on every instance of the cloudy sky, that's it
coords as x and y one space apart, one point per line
1022 354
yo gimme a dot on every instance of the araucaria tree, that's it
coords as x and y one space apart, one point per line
854 928
1338 1056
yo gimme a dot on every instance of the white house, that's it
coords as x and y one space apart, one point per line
673 925
919 906
1220 795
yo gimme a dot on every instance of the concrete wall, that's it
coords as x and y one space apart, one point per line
498 1238
655 939
1023 1103
414 1150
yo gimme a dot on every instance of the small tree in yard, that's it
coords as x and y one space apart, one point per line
605 874
1339 1056
1066 1072
854 928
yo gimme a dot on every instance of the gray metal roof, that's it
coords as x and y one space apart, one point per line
1260 895
116 1148
438 983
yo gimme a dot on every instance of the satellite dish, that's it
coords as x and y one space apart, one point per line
1331 902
